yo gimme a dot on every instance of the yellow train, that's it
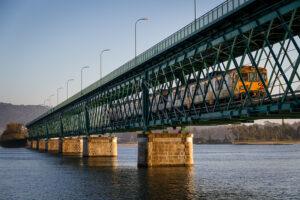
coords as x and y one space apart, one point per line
205 92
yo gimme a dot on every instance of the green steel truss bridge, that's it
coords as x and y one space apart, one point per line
185 79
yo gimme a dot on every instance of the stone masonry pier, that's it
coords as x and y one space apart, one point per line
165 149
72 146
100 146
43 145
35 144
54 145
29 144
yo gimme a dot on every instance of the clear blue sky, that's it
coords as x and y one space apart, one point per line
43 43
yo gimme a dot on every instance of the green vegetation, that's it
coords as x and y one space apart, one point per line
14 135
268 132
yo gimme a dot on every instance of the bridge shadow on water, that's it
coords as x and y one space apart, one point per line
130 182
120 178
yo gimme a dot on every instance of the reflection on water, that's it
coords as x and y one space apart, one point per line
78 160
168 182
101 161
220 172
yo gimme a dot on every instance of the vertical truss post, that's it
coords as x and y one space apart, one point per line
145 93
87 120
47 132
38 135
61 127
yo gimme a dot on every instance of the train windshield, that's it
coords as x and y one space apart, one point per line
264 75
253 76
245 76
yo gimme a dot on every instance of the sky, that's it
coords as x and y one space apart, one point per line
43 43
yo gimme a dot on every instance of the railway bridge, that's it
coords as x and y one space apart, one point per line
237 63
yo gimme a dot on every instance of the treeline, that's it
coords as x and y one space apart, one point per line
14 135
267 132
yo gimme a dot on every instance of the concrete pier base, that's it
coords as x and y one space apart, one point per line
43 145
72 146
29 144
100 146
165 149
35 144
55 145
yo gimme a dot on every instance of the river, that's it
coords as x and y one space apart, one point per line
220 172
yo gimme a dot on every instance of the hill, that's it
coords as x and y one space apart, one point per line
19 113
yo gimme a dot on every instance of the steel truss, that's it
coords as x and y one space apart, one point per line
160 95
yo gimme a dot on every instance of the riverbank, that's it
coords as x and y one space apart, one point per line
128 144
266 142
236 143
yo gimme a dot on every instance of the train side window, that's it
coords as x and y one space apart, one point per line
229 81
178 95
193 90
160 100
218 84
205 88
198 91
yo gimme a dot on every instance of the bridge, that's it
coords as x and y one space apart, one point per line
237 63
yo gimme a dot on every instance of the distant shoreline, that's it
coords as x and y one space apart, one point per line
235 143
266 143
127 144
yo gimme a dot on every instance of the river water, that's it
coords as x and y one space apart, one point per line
220 172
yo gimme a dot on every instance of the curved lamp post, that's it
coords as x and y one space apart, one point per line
52 95
195 10
68 86
101 61
60 88
45 101
141 19
82 68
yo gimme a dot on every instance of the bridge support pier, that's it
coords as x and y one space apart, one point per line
43 145
72 146
35 144
100 146
165 149
29 144
54 145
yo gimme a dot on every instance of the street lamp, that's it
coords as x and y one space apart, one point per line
101 61
52 95
141 19
60 88
45 101
82 68
195 10
68 86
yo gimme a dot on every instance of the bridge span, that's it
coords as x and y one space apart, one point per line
237 63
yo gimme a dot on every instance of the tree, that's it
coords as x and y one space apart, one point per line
14 131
